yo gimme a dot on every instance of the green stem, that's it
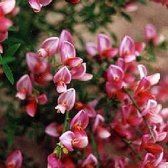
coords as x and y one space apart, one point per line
66 122
140 112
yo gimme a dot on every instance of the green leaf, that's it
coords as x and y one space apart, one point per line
8 72
126 16
6 60
12 50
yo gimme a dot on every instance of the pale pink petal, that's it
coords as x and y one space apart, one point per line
86 77
1 48
80 140
150 32
60 108
66 139
142 71
66 100
90 160
24 86
91 48
7 5
154 79
35 5
51 130
103 133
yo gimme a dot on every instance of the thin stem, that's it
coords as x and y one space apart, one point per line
94 147
66 122
129 144
140 112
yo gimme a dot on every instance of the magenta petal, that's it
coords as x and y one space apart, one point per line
114 73
42 99
81 119
66 139
35 64
79 71
104 43
53 161
5 24
65 36
127 47
67 51
31 108
14 159
3 36
51 45
62 75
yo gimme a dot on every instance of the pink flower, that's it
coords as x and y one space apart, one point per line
24 87
77 139
153 79
103 48
36 5
54 162
14 159
49 47
79 72
129 49
102 132
35 64
68 55
80 120
151 35
66 101
61 79
40 69
90 161
33 101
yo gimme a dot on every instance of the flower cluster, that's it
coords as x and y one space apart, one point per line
6 7
140 123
